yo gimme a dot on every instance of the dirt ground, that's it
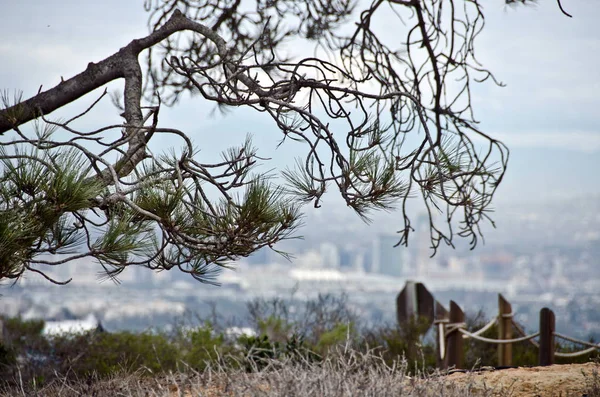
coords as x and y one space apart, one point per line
573 380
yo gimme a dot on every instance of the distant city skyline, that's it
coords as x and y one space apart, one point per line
544 256
564 229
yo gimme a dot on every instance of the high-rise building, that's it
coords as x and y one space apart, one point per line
330 255
365 259
387 259
348 258
423 261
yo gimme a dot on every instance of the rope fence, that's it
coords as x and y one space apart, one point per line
579 353
482 330
451 329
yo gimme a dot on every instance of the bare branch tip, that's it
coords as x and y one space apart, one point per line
563 10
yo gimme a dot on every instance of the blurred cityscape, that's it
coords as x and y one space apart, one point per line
542 254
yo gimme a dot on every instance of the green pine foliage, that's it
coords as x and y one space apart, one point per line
54 208
40 190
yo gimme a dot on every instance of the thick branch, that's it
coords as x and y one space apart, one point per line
118 65
95 76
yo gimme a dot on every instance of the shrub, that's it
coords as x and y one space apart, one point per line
24 336
202 346
338 335
275 328
402 344
22 342
108 353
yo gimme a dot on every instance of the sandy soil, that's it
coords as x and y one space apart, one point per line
572 380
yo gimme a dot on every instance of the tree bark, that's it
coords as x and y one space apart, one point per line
122 64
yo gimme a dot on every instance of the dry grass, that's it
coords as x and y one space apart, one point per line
347 373
344 373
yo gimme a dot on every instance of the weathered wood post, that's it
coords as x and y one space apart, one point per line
407 308
425 303
406 303
504 332
413 305
441 319
454 342
547 327
413 301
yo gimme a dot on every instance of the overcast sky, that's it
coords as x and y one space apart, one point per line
548 115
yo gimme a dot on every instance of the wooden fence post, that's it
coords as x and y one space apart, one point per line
413 302
504 332
406 303
547 327
454 342
414 307
425 303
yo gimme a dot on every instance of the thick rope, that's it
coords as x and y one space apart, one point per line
450 328
578 341
485 328
498 341
589 350
576 354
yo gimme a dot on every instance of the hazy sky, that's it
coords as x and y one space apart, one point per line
548 115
